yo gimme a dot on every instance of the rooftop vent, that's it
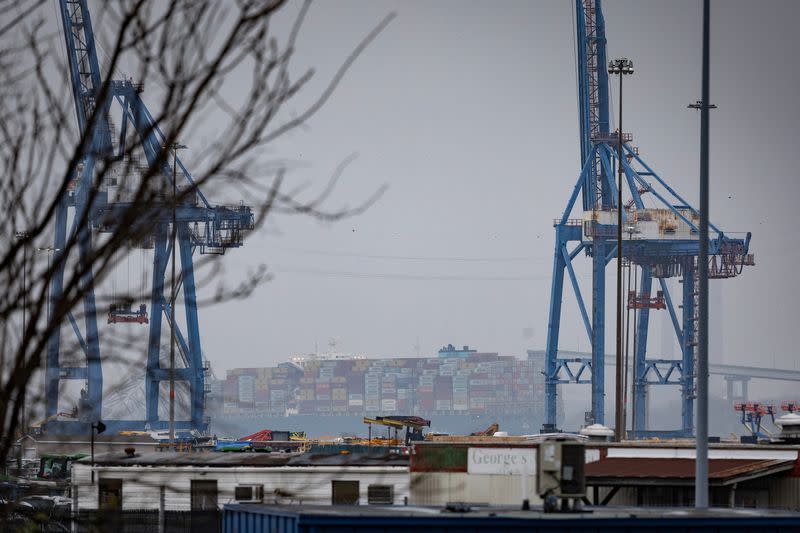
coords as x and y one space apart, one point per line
790 429
597 432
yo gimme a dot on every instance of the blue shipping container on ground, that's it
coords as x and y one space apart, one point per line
373 519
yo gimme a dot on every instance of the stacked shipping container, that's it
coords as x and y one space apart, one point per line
476 384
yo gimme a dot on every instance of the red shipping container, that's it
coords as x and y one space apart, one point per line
425 404
443 393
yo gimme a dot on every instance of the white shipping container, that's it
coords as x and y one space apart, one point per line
246 389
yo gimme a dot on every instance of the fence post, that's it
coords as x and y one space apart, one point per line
162 524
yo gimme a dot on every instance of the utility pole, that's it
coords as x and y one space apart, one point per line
47 278
701 461
99 427
620 67
175 148
23 236
49 250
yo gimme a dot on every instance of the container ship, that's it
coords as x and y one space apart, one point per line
459 390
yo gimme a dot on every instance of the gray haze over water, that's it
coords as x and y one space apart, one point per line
468 112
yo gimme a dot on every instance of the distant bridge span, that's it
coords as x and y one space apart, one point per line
755 372
738 371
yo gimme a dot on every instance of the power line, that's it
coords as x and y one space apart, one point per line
407 277
308 251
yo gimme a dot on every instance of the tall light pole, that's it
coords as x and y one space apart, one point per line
701 439
175 148
99 427
49 250
23 236
620 67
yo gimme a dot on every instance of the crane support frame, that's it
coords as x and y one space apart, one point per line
93 211
658 257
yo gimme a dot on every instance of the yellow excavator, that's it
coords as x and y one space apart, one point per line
488 432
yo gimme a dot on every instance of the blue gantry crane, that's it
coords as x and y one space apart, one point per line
93 210
660 241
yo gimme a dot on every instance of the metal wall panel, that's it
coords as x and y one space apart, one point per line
245 521
309 485
261 519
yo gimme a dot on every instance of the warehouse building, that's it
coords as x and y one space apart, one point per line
492 471
176 481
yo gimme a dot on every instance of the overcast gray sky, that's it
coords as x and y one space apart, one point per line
468 111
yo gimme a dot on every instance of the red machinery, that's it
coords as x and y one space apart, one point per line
123 313
259 436
752 414
644 301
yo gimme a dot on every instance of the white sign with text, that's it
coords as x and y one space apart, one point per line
501 460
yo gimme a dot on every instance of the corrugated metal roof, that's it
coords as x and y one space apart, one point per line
367 518
223 459
720 471
99 440
625 445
